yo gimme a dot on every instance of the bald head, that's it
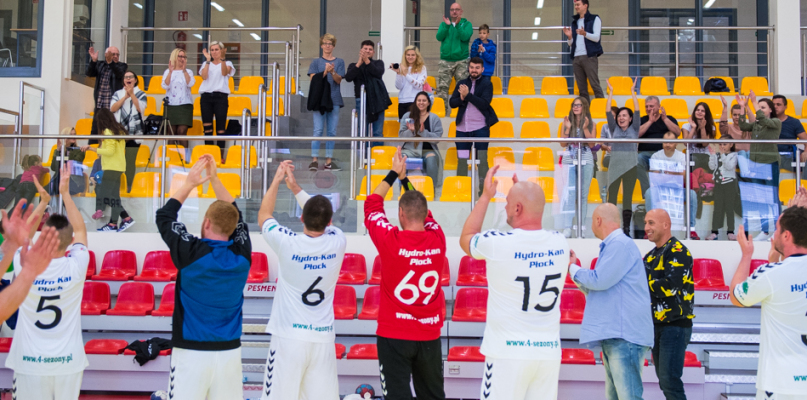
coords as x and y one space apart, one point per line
609 213
657 226
456 12
659 215
112 54
606 219
525 204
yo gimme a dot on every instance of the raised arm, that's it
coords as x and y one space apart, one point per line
744 268
398 171
215 183
34 261
193 180
270 198
73 214
473 224
39 211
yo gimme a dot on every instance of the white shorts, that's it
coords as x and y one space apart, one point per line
297 369
214 375
38 387
506 379
762 395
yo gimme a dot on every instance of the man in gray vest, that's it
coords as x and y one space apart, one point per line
585 47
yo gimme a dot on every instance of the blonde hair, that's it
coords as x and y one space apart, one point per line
67 131
223 217
328 36
416 67
221 47
175 55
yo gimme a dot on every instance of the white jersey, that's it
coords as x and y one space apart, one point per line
309 268
526 274
48 338
782 290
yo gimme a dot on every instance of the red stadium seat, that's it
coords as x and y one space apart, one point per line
593 263
756 264
91 266
472 272
372 299
708 275
375 278
569 282
166 302
471 304
578 356
95 299
354 270
127 352
465 353
158 267
572 305
340 350
134 299
105 346
118 265
445 276
5 344
259 270
691 360
363 352
344 302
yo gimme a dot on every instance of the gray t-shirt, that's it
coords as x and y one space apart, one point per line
318 67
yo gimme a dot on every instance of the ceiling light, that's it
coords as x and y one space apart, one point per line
198 36
237 22
709 4
216 6
535 36
255 36
537 21
691 20
540 4
138 5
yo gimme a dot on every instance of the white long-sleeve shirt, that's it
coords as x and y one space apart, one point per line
580 49
410 85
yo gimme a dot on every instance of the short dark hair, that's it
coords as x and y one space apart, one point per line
630 112
128 71
317 213
63 229
484 27
582 1
769 102
794 220
367 43
780 96
477 61
615 110
414 205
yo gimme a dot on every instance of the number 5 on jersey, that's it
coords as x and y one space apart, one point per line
415 291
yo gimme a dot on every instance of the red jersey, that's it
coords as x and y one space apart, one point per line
412 301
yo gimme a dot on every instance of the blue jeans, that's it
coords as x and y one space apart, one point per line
623 362
693 205
569 210
378 125
332 119
669 350
642 167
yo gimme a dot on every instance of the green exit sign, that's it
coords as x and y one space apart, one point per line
607 32
374 33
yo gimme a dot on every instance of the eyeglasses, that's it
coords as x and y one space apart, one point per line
129 77
182 57
114 54
327 44
577 105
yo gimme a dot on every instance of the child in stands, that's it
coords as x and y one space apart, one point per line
485 49
32 170
726 190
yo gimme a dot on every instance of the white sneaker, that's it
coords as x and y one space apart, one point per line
763 237
567 232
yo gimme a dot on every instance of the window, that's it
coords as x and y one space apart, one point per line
90 20
21 27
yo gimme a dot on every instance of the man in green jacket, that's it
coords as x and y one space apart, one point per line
454 36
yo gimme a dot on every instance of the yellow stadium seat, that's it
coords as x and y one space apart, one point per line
602 157
787 189
758 84
594 195
450 163
197 82
282 84
234 157
676 108
715 106
534 108
791 110
453 112
503 107
422 184
547 183
538 159
175 154
382 156
151 106
629 104
438 108
49 160
140 83
391 128
144 185
432 82
654 86
497 85
237 104
452 129
534 130
197 107
392 110
550 85
503 186
637 197
231 182
142 159
804 125
89 158
83 126
503 157
197 129
597 107
521 85
729 84
456 188
202 149
599 127
577 90
281 110
451 87
502 129
687 86
374 181
232 84
562 107
560 130
249 85
621 84
177 180
156 85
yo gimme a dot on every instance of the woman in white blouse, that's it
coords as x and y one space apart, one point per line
215 88
411 75
177 82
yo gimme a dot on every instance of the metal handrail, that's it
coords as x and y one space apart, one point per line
621 28
21 120
246 130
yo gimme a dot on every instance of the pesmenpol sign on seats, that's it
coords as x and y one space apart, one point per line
260 289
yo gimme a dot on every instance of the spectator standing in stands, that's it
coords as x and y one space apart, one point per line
672 292
616 315
409 320
453 35
420 122
213 270
128 105
108 75
177 82
726 191
409 78
578 124
512 372
701 125
367 71
216 73
585 48
485 49
654 125
333 69
474 118
791 130
779 287
78 184
763 167
733 130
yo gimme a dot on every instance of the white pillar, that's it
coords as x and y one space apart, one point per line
786 48
393 18
119 17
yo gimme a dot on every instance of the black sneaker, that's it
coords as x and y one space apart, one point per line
313 166
331 166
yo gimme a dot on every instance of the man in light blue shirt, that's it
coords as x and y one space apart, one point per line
617 316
